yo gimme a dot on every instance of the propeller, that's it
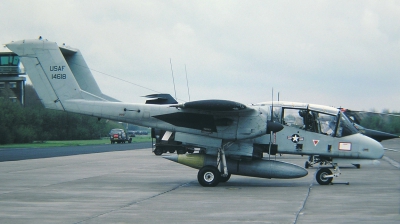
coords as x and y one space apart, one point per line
272 126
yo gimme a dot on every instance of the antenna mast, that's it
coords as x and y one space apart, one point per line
187 83
173 79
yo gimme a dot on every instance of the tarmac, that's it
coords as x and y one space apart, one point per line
136 186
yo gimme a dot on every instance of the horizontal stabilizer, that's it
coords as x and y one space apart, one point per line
160 98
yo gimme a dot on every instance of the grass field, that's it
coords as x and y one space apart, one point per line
139 138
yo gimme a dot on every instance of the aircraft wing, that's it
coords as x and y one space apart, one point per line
207 115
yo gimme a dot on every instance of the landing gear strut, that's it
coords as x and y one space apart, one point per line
210 176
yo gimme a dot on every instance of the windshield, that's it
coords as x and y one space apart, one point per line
345 126
318 122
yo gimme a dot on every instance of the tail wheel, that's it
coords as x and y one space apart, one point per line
321 178
209 176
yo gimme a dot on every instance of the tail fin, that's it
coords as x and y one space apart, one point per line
82 73
50 73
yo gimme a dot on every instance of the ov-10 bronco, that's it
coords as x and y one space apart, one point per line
233 136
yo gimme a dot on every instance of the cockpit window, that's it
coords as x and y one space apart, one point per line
345 127
327 124
318 122
292 117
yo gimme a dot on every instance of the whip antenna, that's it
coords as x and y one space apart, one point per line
173 79
187 83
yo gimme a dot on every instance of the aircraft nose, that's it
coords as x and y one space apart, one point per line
373 148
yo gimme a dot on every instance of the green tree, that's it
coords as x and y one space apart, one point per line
19 124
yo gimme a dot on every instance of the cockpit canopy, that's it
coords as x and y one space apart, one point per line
310 117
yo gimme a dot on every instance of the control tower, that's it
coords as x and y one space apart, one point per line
12 85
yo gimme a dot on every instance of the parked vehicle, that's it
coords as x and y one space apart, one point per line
118 135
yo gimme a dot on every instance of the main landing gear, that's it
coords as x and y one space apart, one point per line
211 176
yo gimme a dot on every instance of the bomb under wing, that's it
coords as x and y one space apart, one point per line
255 168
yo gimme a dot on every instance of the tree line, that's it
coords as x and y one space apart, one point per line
385 123
32 122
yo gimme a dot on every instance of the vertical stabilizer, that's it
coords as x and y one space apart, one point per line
82 73
49 72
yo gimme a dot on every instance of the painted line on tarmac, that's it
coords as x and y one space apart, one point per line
132 203
391 161
304 203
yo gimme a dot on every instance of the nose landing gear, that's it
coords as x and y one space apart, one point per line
324 176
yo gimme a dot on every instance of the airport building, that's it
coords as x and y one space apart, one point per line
12 85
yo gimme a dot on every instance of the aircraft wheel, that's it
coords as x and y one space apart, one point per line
358 166
320 176
208 176
181 151
307 165
225 179
158 152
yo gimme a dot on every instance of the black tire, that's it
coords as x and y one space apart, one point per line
208 176
225 179
181 151
358 166
158 152
307 165
320 176
171 150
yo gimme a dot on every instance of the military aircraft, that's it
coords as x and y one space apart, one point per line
357 116
232 136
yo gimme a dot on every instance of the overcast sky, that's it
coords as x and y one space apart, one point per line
335 53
